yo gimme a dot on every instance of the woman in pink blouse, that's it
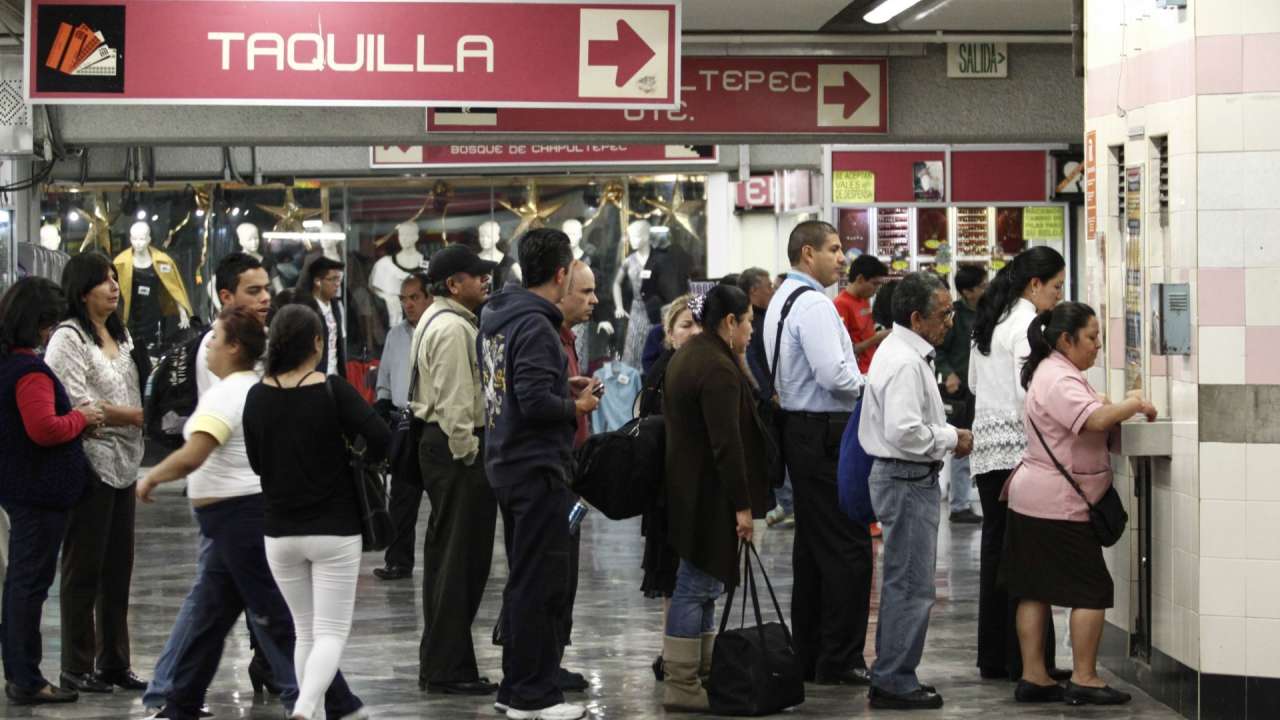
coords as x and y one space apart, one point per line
1051 555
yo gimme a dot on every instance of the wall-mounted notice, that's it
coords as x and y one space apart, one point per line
1133 279
853 186
1043 223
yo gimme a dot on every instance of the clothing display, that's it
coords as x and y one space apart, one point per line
173 295
622 384
638 323
37 261
145 316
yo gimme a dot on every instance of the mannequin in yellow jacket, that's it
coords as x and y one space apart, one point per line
174 300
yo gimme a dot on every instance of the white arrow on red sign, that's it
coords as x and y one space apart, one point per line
629 53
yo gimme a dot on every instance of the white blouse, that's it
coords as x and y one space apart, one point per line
88 374
996 382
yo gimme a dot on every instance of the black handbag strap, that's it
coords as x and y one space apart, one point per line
355 456
748 549
782 321
1061 469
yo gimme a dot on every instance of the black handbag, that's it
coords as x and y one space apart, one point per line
406 428
376 529
754 670
1107 516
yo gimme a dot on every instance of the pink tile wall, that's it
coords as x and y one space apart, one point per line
1261 58
1221 296
1262 355
1219 65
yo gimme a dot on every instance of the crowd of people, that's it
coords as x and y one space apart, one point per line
495 402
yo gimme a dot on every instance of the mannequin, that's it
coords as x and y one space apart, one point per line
508 269
250 242
573 229
50 237
391 270
332 246
151 287
634 271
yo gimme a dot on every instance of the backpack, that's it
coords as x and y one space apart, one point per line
853 474
620 472
172 393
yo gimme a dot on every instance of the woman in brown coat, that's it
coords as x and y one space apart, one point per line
716 481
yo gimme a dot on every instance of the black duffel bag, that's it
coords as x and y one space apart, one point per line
754 670
619 472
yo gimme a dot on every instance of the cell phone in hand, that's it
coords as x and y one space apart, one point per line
598 390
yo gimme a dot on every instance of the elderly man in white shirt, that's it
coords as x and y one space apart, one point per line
818 384
904 427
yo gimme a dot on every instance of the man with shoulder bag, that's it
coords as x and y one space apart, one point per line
448 398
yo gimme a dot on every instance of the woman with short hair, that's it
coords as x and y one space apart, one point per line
91 353
1051 554
43 473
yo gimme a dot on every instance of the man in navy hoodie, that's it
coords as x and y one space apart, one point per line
531 410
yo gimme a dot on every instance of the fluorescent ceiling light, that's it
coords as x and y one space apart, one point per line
888 10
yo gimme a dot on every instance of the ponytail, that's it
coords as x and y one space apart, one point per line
717 304
1067 318
1007 287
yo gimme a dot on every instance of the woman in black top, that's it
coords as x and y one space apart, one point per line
297 425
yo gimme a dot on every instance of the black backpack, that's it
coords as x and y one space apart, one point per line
619 472
172 393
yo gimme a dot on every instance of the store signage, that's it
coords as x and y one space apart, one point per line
478 155
759 191
599 54
853 187
1091 184
977 60
721 96
1043 223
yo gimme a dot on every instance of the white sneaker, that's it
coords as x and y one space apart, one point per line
563 711
500 708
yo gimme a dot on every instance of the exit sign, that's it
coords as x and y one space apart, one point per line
977 60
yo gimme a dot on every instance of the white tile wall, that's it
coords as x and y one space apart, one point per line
1162 621
1262 647
1261 232
1186 580
1260 117
1191 621
1186 524
1182 180
1263 530
1261 296
1221 123
1222 645
1222 529
1182 231
1258 16
1219 182
1263 590
1223 586
1223 471
1217 18
1224 364
1220 238
1185 401
1262 480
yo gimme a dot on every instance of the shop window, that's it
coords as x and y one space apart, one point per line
1160 148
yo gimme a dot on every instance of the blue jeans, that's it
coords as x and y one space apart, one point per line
907 502
960 491
35 536
180 637
693 604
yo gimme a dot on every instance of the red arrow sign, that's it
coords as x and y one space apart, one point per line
850 94
629 53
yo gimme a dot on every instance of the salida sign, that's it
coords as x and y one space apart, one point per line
721 96
605 54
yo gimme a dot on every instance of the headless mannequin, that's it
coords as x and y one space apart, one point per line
146 286
490 233
140 241
50 237
391 270
640 239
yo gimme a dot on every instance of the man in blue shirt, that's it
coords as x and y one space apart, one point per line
818 385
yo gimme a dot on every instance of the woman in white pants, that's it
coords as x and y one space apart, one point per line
297 426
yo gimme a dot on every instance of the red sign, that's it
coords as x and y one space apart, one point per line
722 96
757 192
553 53
516 155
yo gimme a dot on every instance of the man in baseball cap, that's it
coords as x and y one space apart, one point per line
449 399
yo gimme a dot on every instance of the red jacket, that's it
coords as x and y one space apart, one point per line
569 341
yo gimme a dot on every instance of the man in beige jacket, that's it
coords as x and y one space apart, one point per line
448 397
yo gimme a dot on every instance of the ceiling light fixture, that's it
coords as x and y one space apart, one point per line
888 10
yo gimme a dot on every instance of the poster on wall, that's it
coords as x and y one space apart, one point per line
853 187
928 181
1133 279
855 231
1043 223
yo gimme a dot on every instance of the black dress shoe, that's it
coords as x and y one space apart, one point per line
1081 695
571 681
392 572
966 517
123 679
852 676
479 686
46 694
84 682
1028 692
918 699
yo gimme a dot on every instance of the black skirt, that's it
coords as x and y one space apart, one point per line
1058 562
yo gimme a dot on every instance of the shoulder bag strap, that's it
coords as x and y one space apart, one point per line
782 321
417 346
337 416
1057 464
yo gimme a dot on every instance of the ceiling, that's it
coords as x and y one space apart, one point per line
846 16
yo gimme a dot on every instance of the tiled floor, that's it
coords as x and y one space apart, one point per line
617 634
